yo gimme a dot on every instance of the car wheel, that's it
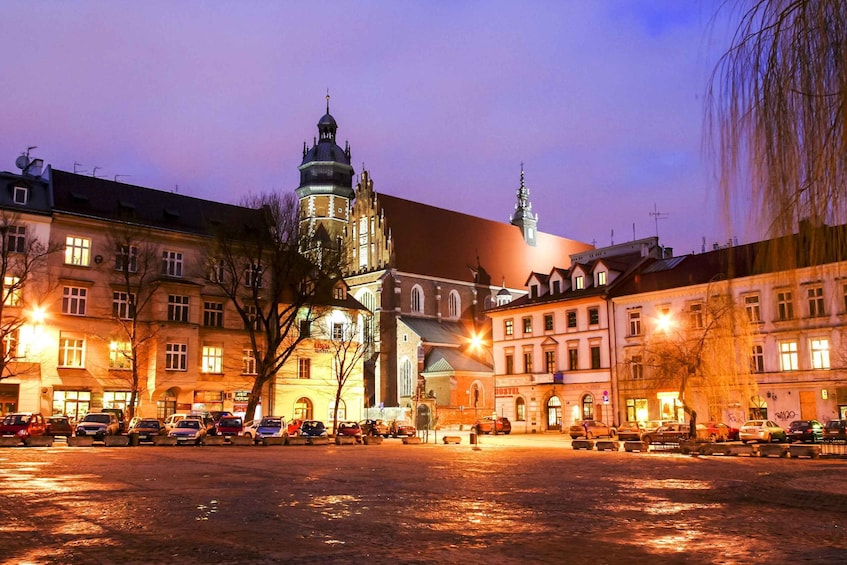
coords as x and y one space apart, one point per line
647 439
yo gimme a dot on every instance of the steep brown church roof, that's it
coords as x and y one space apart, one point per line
451 245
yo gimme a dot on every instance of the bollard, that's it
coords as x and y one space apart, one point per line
472 438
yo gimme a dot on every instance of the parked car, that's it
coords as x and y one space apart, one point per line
716 431
294 426
349 429
249 429
59 426
669 433
653 425
270 426
493 425
805 430
216 415
375 428
402 429
591 429
23 425
188 430
147 428
313 428
631 431
172 420
835 430
119 414
229 426
761 430
98 425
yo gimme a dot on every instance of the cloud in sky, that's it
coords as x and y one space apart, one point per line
441 101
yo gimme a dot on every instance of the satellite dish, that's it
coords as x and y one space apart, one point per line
22 162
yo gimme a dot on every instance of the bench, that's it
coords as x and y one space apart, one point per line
164 440
411 440
319 441
297 440
812 451
10 441
607 445
373 440
39 441
214 440
773 450
346 440
116 441
742 449
639 446
582 444
451 439
266 441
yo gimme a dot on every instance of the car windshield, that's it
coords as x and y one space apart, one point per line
271 423
16 420
99 418
147 424
230 422
190 424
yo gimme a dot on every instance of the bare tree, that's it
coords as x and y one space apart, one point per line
23 258
136 279
776 113
349 344
706 357
257 263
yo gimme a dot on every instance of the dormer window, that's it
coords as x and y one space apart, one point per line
578 282
533 291
601 278
20 195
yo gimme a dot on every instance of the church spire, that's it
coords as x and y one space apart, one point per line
522 216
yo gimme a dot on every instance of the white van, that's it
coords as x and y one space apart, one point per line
171 420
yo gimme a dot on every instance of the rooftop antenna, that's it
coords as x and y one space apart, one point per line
122 176
658 216
94 171
78 168
327 100
613 236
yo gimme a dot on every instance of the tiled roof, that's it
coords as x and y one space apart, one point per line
441 359
810 247
433 331
451 245
102 198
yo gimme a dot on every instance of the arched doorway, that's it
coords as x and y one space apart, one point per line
587 404
167 404
422 420
303 409
758 408
554 413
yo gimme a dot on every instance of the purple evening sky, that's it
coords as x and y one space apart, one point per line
441 101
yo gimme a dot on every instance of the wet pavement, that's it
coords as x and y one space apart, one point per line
510 499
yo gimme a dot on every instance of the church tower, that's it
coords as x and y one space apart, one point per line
522 217
326 185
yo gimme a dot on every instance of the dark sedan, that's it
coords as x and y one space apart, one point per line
805 430
313 428
59 426
147 428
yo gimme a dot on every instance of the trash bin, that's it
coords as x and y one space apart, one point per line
472 437
134 439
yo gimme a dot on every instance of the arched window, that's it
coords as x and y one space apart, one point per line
342 411
454 304
476 396
554 413
520 409
368 300
417 299
406 374
303 409
587 407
